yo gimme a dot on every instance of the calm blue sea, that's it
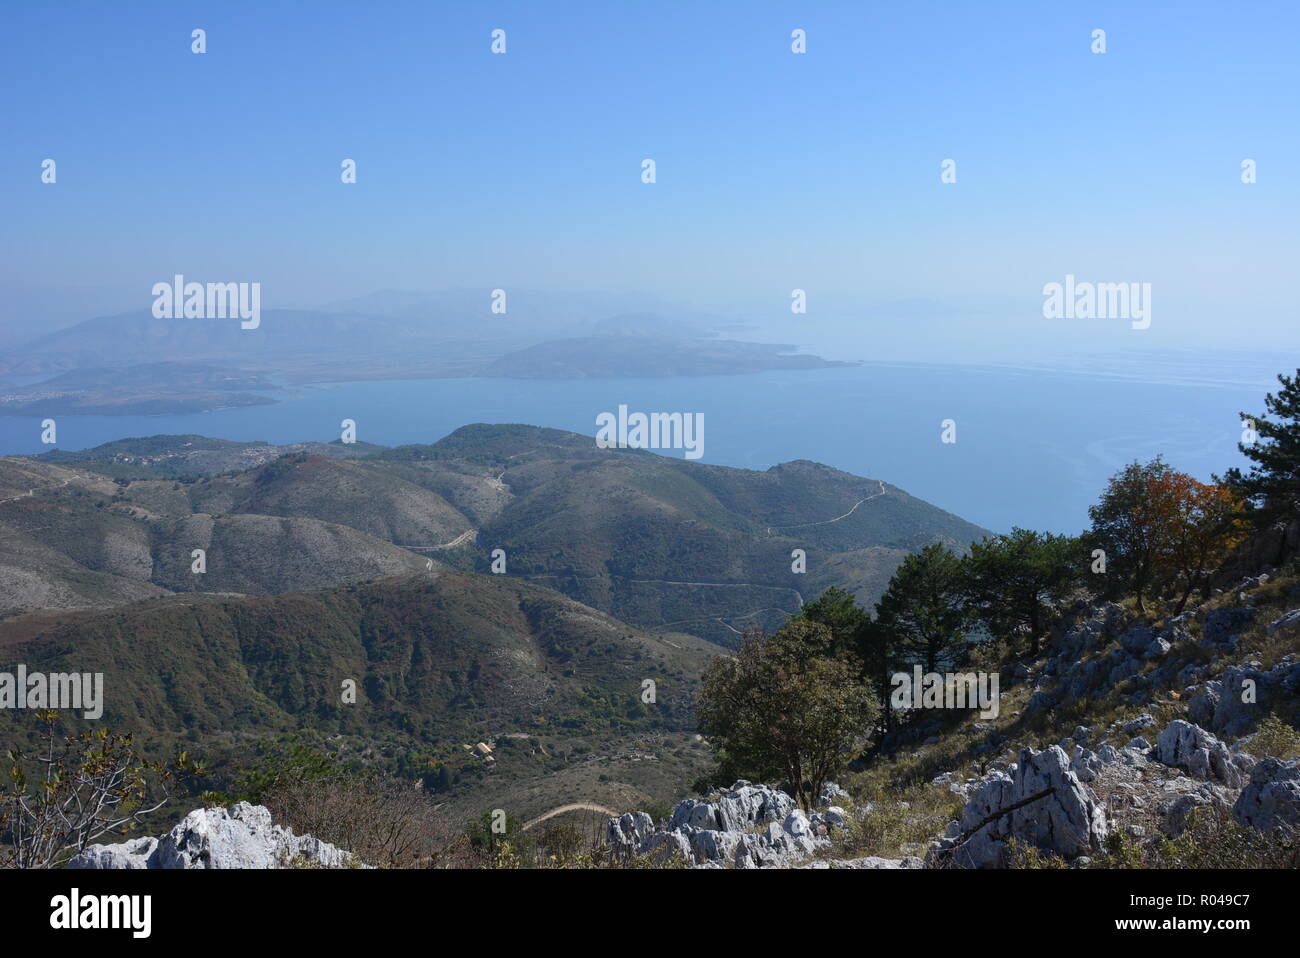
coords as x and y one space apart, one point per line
1033 447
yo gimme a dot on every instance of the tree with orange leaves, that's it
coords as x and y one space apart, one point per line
1205 523
1163 529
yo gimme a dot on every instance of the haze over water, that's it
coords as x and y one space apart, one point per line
1033 448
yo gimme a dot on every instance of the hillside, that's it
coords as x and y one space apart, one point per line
441 660
73 539
659 542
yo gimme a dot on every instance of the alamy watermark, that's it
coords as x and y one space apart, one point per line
77 911
945 690
181 300
1071 300
66 691
656 430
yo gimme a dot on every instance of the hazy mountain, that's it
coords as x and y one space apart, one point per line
155 457
148 390
71 539
135 362
299 345
631 354
660 542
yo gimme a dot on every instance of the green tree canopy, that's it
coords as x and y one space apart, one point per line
1012 581
1272 484
777 712
924 615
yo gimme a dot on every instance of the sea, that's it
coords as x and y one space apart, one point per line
999 446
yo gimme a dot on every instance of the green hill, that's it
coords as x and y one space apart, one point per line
440 661
659 542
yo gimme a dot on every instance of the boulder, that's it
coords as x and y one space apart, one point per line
1016 674
1272 798
664 846
757 826
836 817
831 794
1040 700
1135 725
1222 626
134 853
1158 648
1220 708
714 845
1085 764
1286 624
737 808
779 846
1123 666
1068 821
630 830
1085 626
240 836
1187 796
1188 746
1136 640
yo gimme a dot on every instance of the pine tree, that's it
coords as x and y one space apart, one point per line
1013 581
924 615
1272 485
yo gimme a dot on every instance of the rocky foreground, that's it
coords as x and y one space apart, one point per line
1069 798
241 836
1058 801
1137 777
1046 800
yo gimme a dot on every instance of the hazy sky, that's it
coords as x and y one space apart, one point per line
775 171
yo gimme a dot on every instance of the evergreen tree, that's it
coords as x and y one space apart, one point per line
1013 580
923 615
1272 485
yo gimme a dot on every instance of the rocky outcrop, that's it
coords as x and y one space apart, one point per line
1286 624
627 832
1085 626
1264 551
1234 703
748 826
1187 746
1041 802
1135 725
871 862
1183 796
1272 799
1142 642
1222 626
241 836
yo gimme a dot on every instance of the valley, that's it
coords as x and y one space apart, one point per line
329 562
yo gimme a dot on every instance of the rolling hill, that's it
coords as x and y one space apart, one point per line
441 660
661 543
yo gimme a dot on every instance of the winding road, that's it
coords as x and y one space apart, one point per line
458 541
826 522
31 492
574 807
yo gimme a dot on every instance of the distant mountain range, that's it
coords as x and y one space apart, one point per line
661 543
135 363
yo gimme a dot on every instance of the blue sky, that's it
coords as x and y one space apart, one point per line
775 171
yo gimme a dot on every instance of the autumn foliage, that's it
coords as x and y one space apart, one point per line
1163 531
